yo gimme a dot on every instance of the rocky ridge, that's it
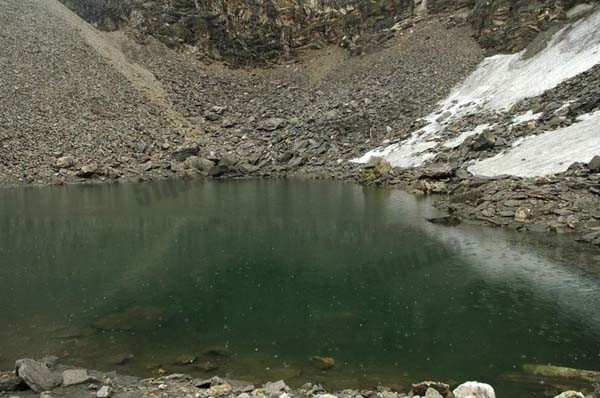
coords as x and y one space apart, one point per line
247 32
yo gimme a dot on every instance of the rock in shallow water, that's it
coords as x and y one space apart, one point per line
104 392
432 393
323 363
570 394
76 376
473 389
134 318
37 375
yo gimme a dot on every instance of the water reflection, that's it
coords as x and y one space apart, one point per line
275 272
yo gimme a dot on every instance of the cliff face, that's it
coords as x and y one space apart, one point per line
250 31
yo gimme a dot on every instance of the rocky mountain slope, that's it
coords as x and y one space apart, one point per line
149 101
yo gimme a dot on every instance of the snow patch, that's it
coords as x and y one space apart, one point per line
503 80
588 116
526 117
498 83
456 142
548 153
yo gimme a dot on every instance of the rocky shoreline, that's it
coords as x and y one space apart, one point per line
47 378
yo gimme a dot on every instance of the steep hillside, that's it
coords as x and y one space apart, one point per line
68 100
99 105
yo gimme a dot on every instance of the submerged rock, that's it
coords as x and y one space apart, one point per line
559 371
134 318
473 389
37 375
222 352
323 363
450 221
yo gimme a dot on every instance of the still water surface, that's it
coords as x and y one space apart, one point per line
254 278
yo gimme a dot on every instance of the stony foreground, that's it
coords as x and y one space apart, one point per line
47 378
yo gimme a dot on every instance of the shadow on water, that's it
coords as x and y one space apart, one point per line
251 279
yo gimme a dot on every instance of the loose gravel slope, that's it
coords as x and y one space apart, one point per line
65 92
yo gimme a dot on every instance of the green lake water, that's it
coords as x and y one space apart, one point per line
253 278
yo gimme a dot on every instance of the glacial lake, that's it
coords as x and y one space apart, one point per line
252 279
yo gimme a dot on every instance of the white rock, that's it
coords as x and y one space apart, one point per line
326 396
104 392
432 393
570 394
473 389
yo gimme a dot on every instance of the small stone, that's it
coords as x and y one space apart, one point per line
104 392
220 390
65 162
46 394
276 387
271 124
522 214
88 170
432 393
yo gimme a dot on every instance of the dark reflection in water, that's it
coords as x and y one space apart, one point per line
254 278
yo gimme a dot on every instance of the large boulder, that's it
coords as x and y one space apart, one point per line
594 164
473 389
37 375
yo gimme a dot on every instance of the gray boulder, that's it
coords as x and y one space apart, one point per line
185 151
484 142
37 375
594 164
271 124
